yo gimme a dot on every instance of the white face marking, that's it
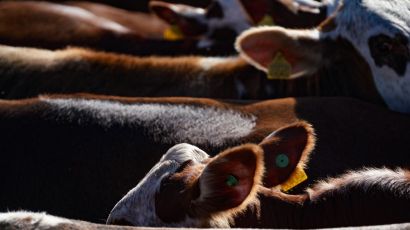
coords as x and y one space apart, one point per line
235 17
29 219
138 206
358 21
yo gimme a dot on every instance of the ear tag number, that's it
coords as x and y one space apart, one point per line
279 68
232 181
173 33
282 160
297 177
267 20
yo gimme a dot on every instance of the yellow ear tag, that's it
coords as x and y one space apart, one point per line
279 68
173 33
267 20
297 177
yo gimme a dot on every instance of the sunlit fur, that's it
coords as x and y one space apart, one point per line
357 21
28 220
138 206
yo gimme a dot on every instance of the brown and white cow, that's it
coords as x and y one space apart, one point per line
57 25
187 188
377 64
40 220
364 45
223 20
76 156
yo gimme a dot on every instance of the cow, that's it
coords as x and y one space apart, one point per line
40 220
62 152
187 188
93 25
364 47
377 72
223 20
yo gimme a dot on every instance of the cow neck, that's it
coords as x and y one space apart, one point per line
348 206
343 72
275 210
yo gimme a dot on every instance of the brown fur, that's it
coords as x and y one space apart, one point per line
30 72
24 74
29 24
342 126
344 201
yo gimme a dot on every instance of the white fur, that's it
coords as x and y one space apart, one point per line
29 219
165 123
210 62
235 17
138 206
359 20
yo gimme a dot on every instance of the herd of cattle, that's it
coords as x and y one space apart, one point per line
205 117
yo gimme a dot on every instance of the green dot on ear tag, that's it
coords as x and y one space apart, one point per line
232 181
282 160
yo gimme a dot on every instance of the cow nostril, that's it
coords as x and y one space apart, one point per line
121 222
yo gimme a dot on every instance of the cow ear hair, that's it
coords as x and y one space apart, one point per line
230 180
285 150
300 48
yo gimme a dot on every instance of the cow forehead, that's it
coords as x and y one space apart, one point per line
235 15
369 17
138 205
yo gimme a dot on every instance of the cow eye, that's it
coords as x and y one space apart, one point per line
184 165
384 47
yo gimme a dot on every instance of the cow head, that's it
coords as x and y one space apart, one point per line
187 188
223 20
365 41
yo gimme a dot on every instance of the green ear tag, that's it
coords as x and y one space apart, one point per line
279 68
282 161
232 181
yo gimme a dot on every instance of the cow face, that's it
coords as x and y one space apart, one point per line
223 20
365 40
187 188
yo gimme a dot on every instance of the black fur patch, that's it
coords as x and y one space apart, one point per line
392 52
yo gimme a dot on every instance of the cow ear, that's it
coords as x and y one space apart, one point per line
265 47
188 19
285 150
230 180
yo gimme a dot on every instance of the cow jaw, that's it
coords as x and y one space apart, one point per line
188 189
366 25
362 22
